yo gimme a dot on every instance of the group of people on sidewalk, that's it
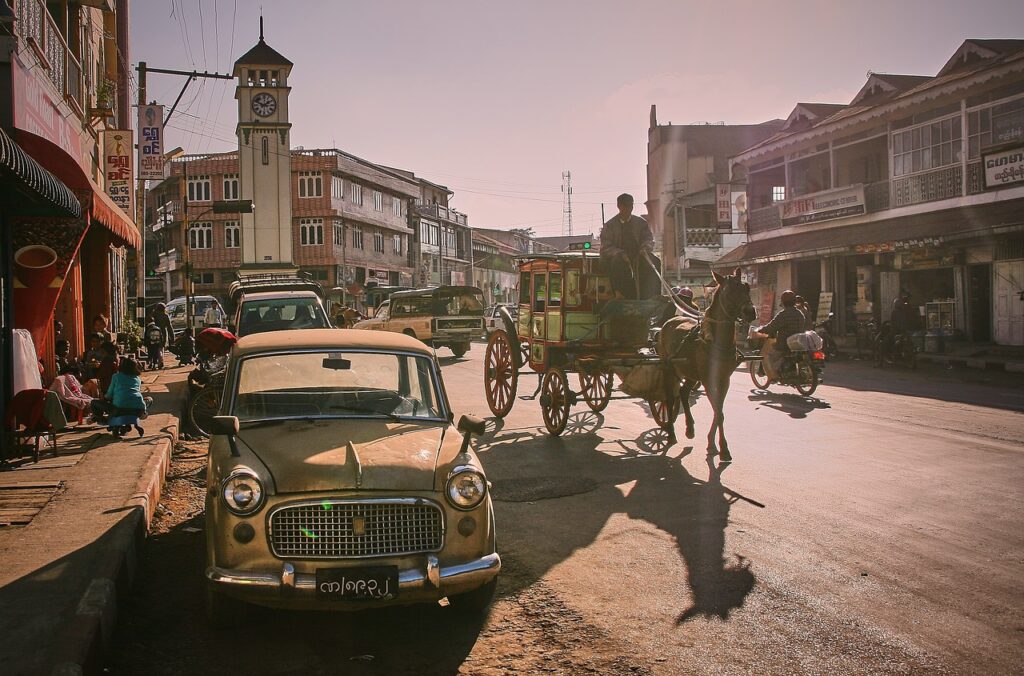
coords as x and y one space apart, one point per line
102 383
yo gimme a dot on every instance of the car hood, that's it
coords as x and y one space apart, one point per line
324 455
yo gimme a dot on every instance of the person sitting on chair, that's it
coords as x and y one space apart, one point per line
627 256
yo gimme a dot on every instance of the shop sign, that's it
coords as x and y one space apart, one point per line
927 259
36 112
1008 127
723 203
1004 168
117 168
151 143
824 307
380 275
458 278
902 245
824 206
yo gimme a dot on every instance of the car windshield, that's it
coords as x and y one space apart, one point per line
341 384
451 305
281 314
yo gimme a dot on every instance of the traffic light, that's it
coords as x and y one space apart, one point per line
579 246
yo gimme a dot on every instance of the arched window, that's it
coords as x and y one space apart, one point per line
266 150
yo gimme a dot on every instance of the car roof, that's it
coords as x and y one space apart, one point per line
312 339
277 295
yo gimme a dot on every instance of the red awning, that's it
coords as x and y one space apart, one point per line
103 210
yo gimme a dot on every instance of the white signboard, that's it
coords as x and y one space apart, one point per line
117 169
723 203
151 143
824 206
1004 168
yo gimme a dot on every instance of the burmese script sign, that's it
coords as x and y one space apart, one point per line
1004 168
824 206
723 203
151 143
117 168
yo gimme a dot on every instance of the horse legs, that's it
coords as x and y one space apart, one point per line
684 396
718 403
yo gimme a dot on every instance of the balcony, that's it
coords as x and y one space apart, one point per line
444 213
37 28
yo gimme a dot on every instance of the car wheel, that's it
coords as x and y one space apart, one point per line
223 611
476 601
410 333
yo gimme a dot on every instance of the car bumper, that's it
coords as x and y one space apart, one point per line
291 589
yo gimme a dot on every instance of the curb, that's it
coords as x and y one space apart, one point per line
967 362
89 632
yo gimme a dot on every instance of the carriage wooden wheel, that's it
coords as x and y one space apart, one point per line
500 374
597 389
555 400
664 413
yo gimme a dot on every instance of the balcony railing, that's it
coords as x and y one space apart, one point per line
930 186
37 27
438 211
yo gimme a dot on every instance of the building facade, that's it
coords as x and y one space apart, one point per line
687 178
916 185
64 238
349 221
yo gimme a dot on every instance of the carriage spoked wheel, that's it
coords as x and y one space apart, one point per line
664 413
500 374
597 389
555 400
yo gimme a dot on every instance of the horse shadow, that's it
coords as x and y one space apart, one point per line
795 405
639 479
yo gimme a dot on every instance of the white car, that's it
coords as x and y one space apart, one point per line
492 317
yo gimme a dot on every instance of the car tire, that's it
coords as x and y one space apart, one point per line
476 601
222 611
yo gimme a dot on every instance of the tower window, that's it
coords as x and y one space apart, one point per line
230 186
337 188
396 206
273 78
339 233
357 194
378 242
266 150
378 200
357 238
396 244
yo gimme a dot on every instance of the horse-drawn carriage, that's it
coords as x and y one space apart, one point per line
569 322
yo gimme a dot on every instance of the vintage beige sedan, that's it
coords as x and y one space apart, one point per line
337 479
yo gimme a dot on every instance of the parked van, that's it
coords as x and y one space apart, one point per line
446 316
206 312
277 303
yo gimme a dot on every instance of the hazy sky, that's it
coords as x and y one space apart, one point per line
496 100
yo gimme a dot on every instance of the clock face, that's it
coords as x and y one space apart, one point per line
264 104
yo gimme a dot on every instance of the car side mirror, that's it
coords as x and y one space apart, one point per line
228 426
470 425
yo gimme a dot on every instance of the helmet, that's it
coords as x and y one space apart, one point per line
161 306
686 292
788 298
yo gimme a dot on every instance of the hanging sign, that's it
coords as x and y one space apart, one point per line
151 143
1004 168
723 203
117 169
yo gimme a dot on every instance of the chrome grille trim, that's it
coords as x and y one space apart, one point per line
323 529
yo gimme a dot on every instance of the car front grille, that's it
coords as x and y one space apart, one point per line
356 529
443 324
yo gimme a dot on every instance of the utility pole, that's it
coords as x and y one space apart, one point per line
567 207
140 214
678 237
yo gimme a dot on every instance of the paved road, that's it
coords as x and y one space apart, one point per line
875 527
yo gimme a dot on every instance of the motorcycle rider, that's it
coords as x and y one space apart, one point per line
902 320
787 322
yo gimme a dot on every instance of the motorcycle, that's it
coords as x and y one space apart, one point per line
824 329
801 367
894 348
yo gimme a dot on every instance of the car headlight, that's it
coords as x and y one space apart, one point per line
242 492
466 488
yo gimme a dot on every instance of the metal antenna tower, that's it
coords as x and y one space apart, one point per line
567 203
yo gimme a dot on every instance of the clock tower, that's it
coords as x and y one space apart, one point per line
264 159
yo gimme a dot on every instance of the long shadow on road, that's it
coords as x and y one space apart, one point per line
694 511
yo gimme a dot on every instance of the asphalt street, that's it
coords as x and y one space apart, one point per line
875 526
872 528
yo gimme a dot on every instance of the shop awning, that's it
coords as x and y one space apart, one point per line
17 166
891 234
103 210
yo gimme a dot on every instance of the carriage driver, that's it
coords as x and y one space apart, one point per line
787 322
625 240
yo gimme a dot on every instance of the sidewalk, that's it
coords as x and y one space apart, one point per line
966 355
61 573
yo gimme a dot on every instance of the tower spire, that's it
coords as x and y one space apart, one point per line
261 26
